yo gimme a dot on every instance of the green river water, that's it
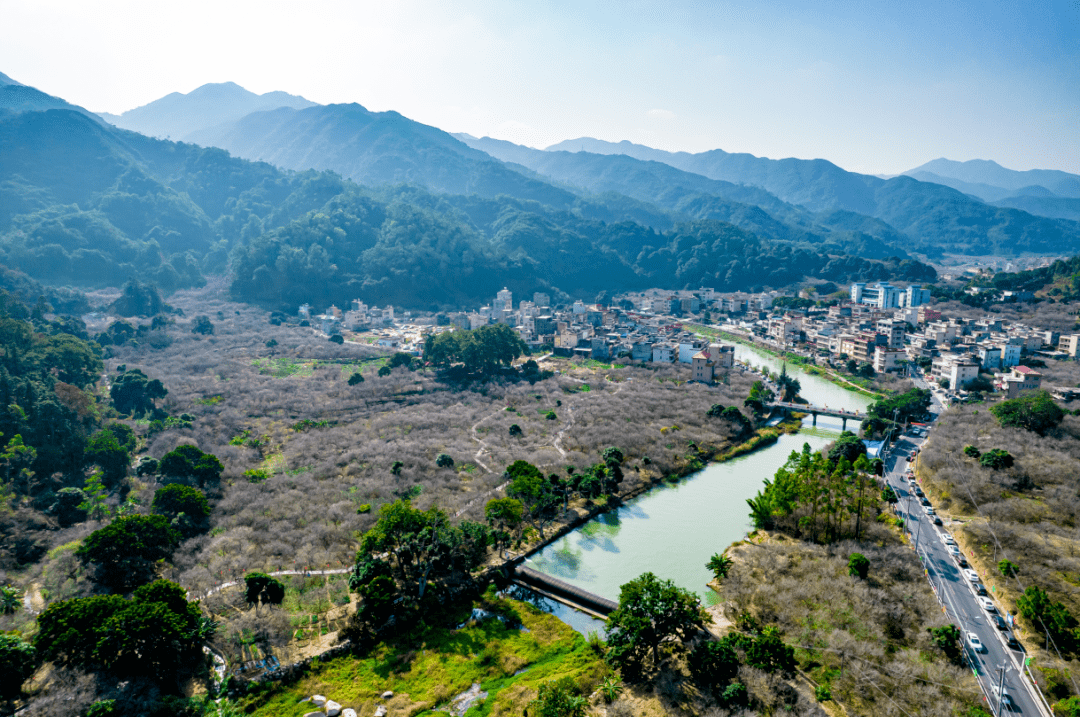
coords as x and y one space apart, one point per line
673 530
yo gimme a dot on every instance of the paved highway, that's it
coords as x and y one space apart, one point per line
959 597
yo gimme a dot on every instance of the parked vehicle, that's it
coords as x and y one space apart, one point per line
971 575
986 604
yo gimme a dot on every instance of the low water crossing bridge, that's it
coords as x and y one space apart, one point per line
816 411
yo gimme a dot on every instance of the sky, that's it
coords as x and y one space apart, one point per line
876 87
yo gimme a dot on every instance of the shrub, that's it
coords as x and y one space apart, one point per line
202 325
822 693
384 371
443 460
550 415
996 458
515 430
858 566
1008 568
365 508
337 339
356 378
972 452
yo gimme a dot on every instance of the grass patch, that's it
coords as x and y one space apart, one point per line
284 367
429 666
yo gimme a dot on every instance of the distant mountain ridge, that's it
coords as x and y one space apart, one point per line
176 115
937 218
374 148
17 97
984 172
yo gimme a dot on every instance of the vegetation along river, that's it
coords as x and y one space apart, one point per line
673 530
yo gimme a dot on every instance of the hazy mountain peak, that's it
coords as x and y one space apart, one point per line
178 115
990 181
5 80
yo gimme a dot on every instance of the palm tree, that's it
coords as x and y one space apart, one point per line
10 599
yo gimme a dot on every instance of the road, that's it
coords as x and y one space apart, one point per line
957 595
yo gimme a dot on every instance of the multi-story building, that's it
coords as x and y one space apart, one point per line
710 360
957 369
541 299
883 295
888 359
663 353
894 332
1021 378
915 295
1070 344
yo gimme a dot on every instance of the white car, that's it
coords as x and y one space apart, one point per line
947 537
975 643
971 575
953 550
986 604
1003 695
930 510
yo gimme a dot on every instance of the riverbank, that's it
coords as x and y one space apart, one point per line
801 361
762 438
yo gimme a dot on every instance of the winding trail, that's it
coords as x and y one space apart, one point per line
483 445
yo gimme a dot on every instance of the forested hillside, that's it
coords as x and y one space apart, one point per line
91 205
412 248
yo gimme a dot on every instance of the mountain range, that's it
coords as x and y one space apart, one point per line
176 115
437 217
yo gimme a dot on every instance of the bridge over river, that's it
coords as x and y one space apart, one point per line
815 410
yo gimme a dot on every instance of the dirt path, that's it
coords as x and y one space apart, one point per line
483 445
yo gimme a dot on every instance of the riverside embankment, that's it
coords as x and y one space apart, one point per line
673 529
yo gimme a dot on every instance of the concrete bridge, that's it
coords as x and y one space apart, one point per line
816 411
563 592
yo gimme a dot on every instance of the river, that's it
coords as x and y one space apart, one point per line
672 530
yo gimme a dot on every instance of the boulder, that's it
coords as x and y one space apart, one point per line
348 712
333 709
318 700
314 714
387 695
381 712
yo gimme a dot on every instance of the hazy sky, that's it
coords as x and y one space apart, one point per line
875 90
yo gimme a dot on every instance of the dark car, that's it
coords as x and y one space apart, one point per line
979 589
1013 643
998 622
925 500
918 491
937 520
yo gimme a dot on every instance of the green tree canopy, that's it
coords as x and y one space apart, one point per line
104 450
713 663
1035 412
260 588
18 660
124 552
481 350
911 405
188 463
536 493
184 505
650 611
848 446
996 458
134 392
421 546
858 566
155 634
